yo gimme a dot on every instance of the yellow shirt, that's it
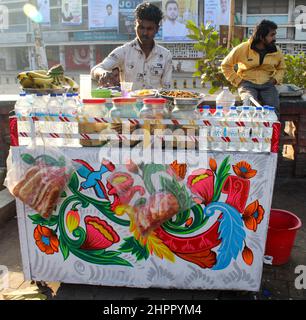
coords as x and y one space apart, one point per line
249 67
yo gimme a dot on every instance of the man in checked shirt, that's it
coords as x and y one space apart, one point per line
141 61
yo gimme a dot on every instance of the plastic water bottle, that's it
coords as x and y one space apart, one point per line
271 117
266 110
217 130
232 131
39 105
258 128
70 110
23 109
39 109
226 99
60 97
205 131
54 108
22 106
244 131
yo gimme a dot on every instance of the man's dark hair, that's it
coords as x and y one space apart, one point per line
262 30
169 2
148 11
109 6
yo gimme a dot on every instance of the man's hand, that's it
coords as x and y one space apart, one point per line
109 79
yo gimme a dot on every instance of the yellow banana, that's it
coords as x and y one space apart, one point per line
44 72
33 74
54 86
26 83
71 83
43 82
22 75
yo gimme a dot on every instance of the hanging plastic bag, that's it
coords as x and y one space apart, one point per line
39 178
155 193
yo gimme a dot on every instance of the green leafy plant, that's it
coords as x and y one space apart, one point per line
209 66
295 70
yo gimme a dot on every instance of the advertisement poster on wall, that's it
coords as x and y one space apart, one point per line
300 22
78 57
4 17
71 12
176 13
43 7
126 16
103 14
217 12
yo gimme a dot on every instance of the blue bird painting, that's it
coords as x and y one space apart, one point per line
94 178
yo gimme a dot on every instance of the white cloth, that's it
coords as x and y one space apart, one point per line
174 30
155 71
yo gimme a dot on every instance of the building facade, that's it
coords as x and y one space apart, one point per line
78 46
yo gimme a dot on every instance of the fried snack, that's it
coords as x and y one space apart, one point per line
160 208
144 92
40 188
179 94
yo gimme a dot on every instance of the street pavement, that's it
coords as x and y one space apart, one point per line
278 282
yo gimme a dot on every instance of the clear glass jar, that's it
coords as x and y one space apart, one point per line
154 108
185 109
93 108
124 108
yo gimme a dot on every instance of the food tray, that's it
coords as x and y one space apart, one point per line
180 94
144 93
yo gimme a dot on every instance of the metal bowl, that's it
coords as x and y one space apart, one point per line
167 95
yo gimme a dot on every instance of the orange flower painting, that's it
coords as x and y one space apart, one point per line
244 170
46 240
253 215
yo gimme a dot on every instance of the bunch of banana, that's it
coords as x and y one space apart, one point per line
53 78
32 79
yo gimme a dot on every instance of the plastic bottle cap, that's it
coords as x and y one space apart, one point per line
219 107
22 94
69 94
94 101
39 94
258 108
246 108
206 107
52 94
121 100
155 101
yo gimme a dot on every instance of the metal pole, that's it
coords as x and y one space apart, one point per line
39 47
231 23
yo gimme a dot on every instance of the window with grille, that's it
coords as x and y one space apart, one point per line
268 7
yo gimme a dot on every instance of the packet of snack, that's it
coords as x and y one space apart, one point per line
40 178
156 193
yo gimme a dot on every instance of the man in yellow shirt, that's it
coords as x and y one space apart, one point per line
260 63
